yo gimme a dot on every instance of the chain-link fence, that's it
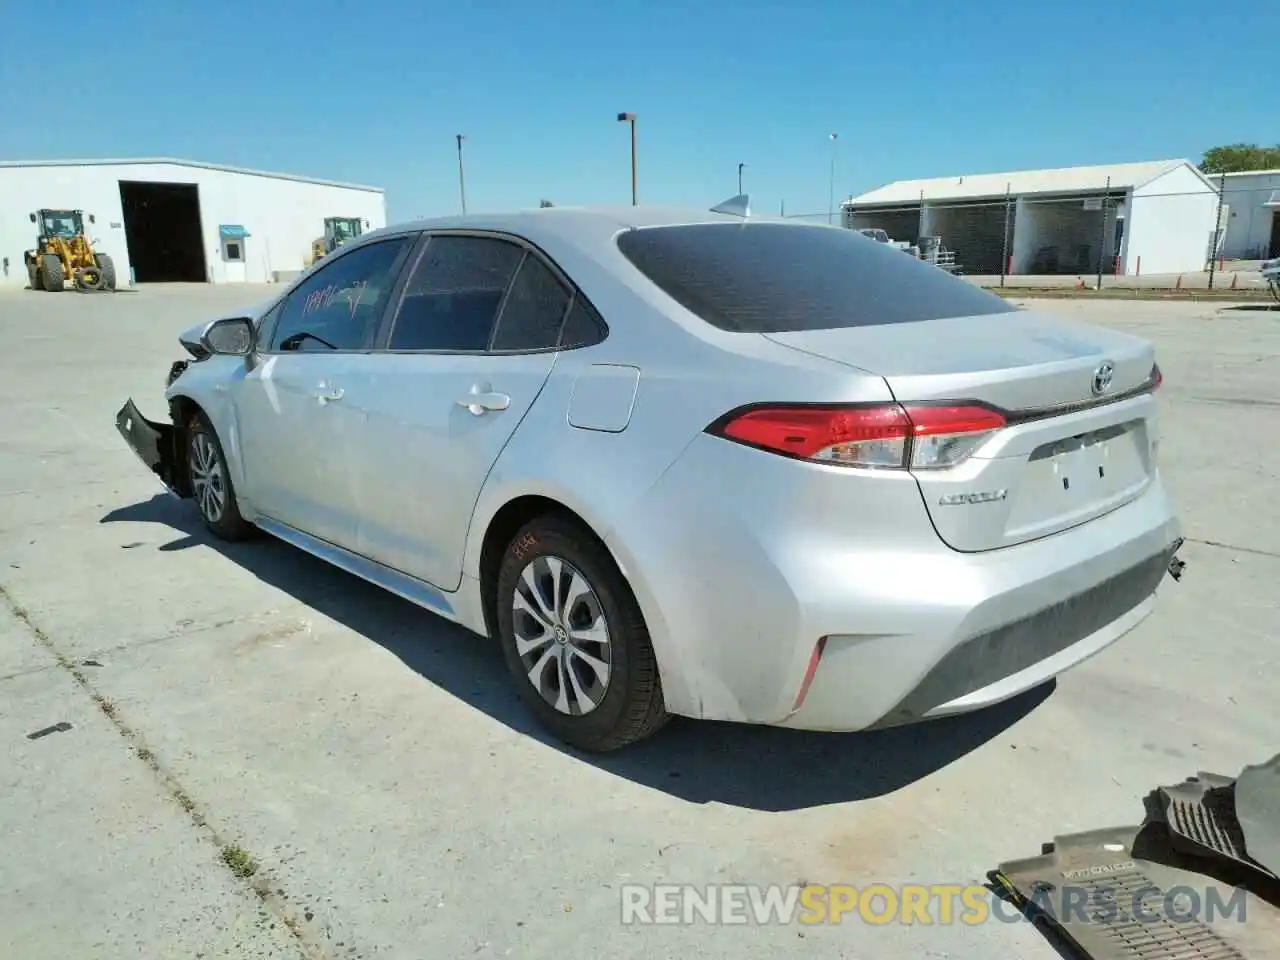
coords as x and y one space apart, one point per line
1227 224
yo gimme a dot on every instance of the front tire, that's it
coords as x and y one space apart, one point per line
107 267
211 486
575 640
52 275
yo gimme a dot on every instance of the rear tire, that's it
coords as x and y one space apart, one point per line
108 268
53 277
33 276
574 638
211 486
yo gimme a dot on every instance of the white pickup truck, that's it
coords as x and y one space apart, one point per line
879 236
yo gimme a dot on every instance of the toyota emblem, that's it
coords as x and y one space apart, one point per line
1102 377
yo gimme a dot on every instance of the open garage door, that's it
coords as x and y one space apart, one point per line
1065 236
979 233
162 229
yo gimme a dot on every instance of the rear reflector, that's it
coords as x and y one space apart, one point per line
810 672
889 435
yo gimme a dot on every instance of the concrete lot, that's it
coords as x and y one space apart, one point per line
374 764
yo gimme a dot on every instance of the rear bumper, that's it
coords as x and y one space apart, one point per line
739 584
999 663
157 445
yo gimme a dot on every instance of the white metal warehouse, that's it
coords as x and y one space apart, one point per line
164 220
1253 224
1128 218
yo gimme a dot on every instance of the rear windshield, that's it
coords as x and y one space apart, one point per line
776 277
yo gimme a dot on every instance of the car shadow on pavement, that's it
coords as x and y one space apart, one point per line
759 768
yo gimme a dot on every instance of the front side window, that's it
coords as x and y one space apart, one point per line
266 325
451 301
338 307
778 277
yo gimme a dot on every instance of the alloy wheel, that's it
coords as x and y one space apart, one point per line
208 477
562 636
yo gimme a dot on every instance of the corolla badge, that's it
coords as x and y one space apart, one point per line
1102 377
962 499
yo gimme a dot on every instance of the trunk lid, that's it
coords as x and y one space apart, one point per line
1071 453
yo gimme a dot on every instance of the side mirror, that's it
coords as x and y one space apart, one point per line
92 218
32 216
232 337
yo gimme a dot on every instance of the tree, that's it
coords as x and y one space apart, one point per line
1236 157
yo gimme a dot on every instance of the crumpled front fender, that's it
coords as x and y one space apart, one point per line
158 445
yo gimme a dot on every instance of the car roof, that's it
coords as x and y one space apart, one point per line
574 224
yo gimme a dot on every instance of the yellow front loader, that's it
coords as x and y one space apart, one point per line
63 253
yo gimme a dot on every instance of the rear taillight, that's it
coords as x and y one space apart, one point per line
1157 377
889 435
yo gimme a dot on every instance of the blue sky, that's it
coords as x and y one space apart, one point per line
374 92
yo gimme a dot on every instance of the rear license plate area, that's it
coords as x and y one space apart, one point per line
1092 466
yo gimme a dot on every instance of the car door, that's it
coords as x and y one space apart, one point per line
295 426
468 349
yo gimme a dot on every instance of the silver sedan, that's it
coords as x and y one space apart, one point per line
683 462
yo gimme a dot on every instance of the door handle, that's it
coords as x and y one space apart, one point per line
481 400
327 394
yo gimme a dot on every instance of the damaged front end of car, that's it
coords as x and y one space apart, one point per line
158 445
162 446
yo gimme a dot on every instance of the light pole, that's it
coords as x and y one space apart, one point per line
740 166
462 178
631 119
831 193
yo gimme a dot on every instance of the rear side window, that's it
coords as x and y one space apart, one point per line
582 327
452 299
533 311
778 277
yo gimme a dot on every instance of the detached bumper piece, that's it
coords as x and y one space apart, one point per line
157 445
1175 563
1201 816
1091 897
1198 880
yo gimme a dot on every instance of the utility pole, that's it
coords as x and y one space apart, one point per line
831 193
462 178
1217 229
740 166
1004 253
1102 236
631 119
